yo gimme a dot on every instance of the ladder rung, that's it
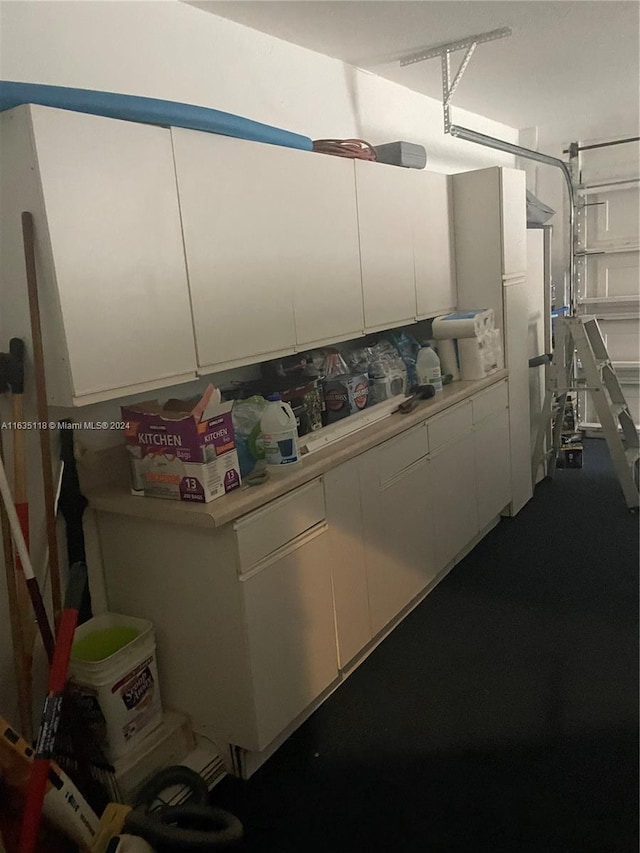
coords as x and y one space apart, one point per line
582 335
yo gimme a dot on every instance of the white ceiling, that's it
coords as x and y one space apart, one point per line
564 58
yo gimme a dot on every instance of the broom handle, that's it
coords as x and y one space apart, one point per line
43 414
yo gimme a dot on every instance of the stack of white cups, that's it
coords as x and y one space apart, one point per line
469 345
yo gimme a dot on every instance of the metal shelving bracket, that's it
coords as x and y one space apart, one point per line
444 51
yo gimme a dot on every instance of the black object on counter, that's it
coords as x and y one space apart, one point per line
424 392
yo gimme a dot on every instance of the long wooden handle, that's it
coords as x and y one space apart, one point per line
43 413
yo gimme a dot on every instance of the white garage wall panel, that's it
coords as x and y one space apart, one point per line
609 282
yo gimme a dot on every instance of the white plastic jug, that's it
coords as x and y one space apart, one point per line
279 434
428 368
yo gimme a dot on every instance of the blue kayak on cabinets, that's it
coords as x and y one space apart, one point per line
147 110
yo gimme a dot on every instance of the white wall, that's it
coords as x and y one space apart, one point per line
172 51
169 50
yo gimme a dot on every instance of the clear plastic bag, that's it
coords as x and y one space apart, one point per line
408 347
246 416
334 364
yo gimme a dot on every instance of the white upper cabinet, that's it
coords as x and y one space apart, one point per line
271 246
112 279
327 293
513 207
235 222
167 253
386 210
433 245
478 239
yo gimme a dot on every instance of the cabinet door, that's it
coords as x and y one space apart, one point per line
271 244
453 480
478 240
386 206
237 220
493 466
113 222
517 360
513 221
397 524
349 573
325 263
433 245
291 634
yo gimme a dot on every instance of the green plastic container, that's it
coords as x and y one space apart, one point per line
99 645
113 665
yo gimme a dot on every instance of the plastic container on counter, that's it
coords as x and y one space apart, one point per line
279 434
428 369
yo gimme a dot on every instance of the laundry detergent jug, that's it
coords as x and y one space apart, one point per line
279 434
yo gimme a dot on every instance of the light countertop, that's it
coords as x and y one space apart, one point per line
116 497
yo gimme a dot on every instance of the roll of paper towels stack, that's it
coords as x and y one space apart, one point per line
448 358
463 324
469 339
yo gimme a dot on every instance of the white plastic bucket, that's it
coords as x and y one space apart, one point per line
114 673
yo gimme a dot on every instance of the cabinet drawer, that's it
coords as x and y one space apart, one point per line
399 453
449 425
267 529
492 400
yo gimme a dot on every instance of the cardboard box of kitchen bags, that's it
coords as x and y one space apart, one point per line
182 450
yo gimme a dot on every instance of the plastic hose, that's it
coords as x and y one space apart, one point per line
193 826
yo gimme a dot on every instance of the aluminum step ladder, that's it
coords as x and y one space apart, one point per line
581 362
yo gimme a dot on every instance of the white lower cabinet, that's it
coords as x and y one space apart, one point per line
291 639
493 470
255 619
396 514
347 557
453 482
246 639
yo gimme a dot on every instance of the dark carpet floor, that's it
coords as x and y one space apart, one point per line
501 715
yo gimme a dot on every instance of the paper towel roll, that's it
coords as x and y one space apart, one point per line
472 364
448 358
496 343
463 324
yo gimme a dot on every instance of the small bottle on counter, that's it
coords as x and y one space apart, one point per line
279 434
428 370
